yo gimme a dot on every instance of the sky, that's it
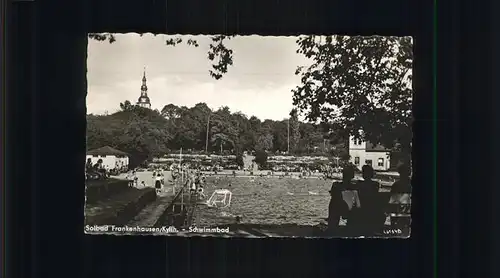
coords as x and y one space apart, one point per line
259 83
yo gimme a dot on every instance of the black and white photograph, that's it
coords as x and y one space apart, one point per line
249 136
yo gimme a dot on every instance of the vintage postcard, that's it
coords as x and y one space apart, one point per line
249 136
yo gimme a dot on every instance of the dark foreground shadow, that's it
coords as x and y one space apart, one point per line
290 230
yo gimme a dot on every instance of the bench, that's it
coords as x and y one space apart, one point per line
397 208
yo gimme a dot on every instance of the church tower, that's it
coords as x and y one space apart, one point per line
144 99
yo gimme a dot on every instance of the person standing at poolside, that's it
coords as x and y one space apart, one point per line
372 216
99 168
401 193
130 179
158 184
403 185
338 207
136 178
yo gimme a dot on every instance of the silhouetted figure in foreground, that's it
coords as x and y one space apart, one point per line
400 191
338 207
371 214
403 185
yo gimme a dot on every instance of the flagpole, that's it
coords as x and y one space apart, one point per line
182 182
180 165
288 136
208 127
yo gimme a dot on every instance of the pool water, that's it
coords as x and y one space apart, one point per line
268 201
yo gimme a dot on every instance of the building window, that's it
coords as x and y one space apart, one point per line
368 162
380 162
356 160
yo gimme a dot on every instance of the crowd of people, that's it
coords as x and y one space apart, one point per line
195 182
95 171
98 170
366 212
158 179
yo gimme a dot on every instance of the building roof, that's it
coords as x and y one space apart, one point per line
375 148
106 150
370 147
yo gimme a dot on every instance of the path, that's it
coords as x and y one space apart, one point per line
149 216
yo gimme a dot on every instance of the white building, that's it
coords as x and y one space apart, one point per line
365 153
111 158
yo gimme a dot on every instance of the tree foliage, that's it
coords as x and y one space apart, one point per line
265 142
358 84
261 158
294 130
239 160
135 130
145 133
219 54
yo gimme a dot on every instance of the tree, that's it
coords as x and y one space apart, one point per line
359 84
224 134
261 158
171 111
243 139
138 131
199 115
126 106
239 160
311 137
294 130
341 151
221 139
265 142
280 134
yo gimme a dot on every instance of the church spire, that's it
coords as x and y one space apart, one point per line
144 87
143 100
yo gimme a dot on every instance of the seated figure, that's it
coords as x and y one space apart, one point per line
338 207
